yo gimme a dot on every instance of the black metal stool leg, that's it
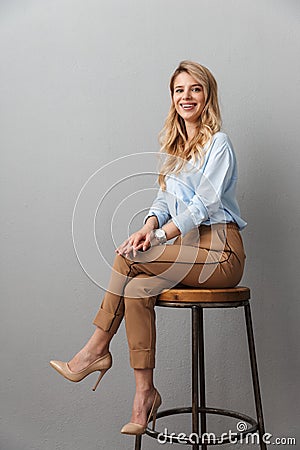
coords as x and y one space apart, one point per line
255 379
202 373
195 374
138 443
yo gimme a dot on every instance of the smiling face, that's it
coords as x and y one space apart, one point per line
188 98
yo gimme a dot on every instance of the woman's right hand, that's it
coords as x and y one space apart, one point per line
137 241
141 239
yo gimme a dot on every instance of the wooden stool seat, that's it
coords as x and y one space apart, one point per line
187 294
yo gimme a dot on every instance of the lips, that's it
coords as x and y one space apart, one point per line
188 106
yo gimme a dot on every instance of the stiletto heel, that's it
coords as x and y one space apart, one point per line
136 428
102 372
101 364
154 420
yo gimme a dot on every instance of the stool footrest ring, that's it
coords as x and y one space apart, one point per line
213 440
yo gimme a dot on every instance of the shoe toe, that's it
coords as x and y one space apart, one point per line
56 364
133 428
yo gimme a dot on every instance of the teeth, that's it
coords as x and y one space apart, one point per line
187 106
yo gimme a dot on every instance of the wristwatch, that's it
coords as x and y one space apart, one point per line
160 235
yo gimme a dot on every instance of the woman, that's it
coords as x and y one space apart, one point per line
196 204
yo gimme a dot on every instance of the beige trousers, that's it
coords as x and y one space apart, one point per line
208 257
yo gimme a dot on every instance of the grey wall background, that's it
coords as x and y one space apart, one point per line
83 83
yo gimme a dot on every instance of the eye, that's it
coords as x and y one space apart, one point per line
197 89
178 90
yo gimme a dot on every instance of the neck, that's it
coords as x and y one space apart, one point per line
191 129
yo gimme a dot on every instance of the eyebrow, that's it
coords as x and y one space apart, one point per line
192 85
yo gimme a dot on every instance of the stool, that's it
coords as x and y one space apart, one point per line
197 300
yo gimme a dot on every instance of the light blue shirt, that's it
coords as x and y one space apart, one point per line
205 195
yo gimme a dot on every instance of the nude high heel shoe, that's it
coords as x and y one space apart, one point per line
137 429
101 364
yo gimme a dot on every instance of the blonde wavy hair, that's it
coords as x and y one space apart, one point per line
174 139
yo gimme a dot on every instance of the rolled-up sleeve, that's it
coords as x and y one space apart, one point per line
160 209
213 182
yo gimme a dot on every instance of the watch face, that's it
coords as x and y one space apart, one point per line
159 233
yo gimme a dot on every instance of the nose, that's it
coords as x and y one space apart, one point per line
186 94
